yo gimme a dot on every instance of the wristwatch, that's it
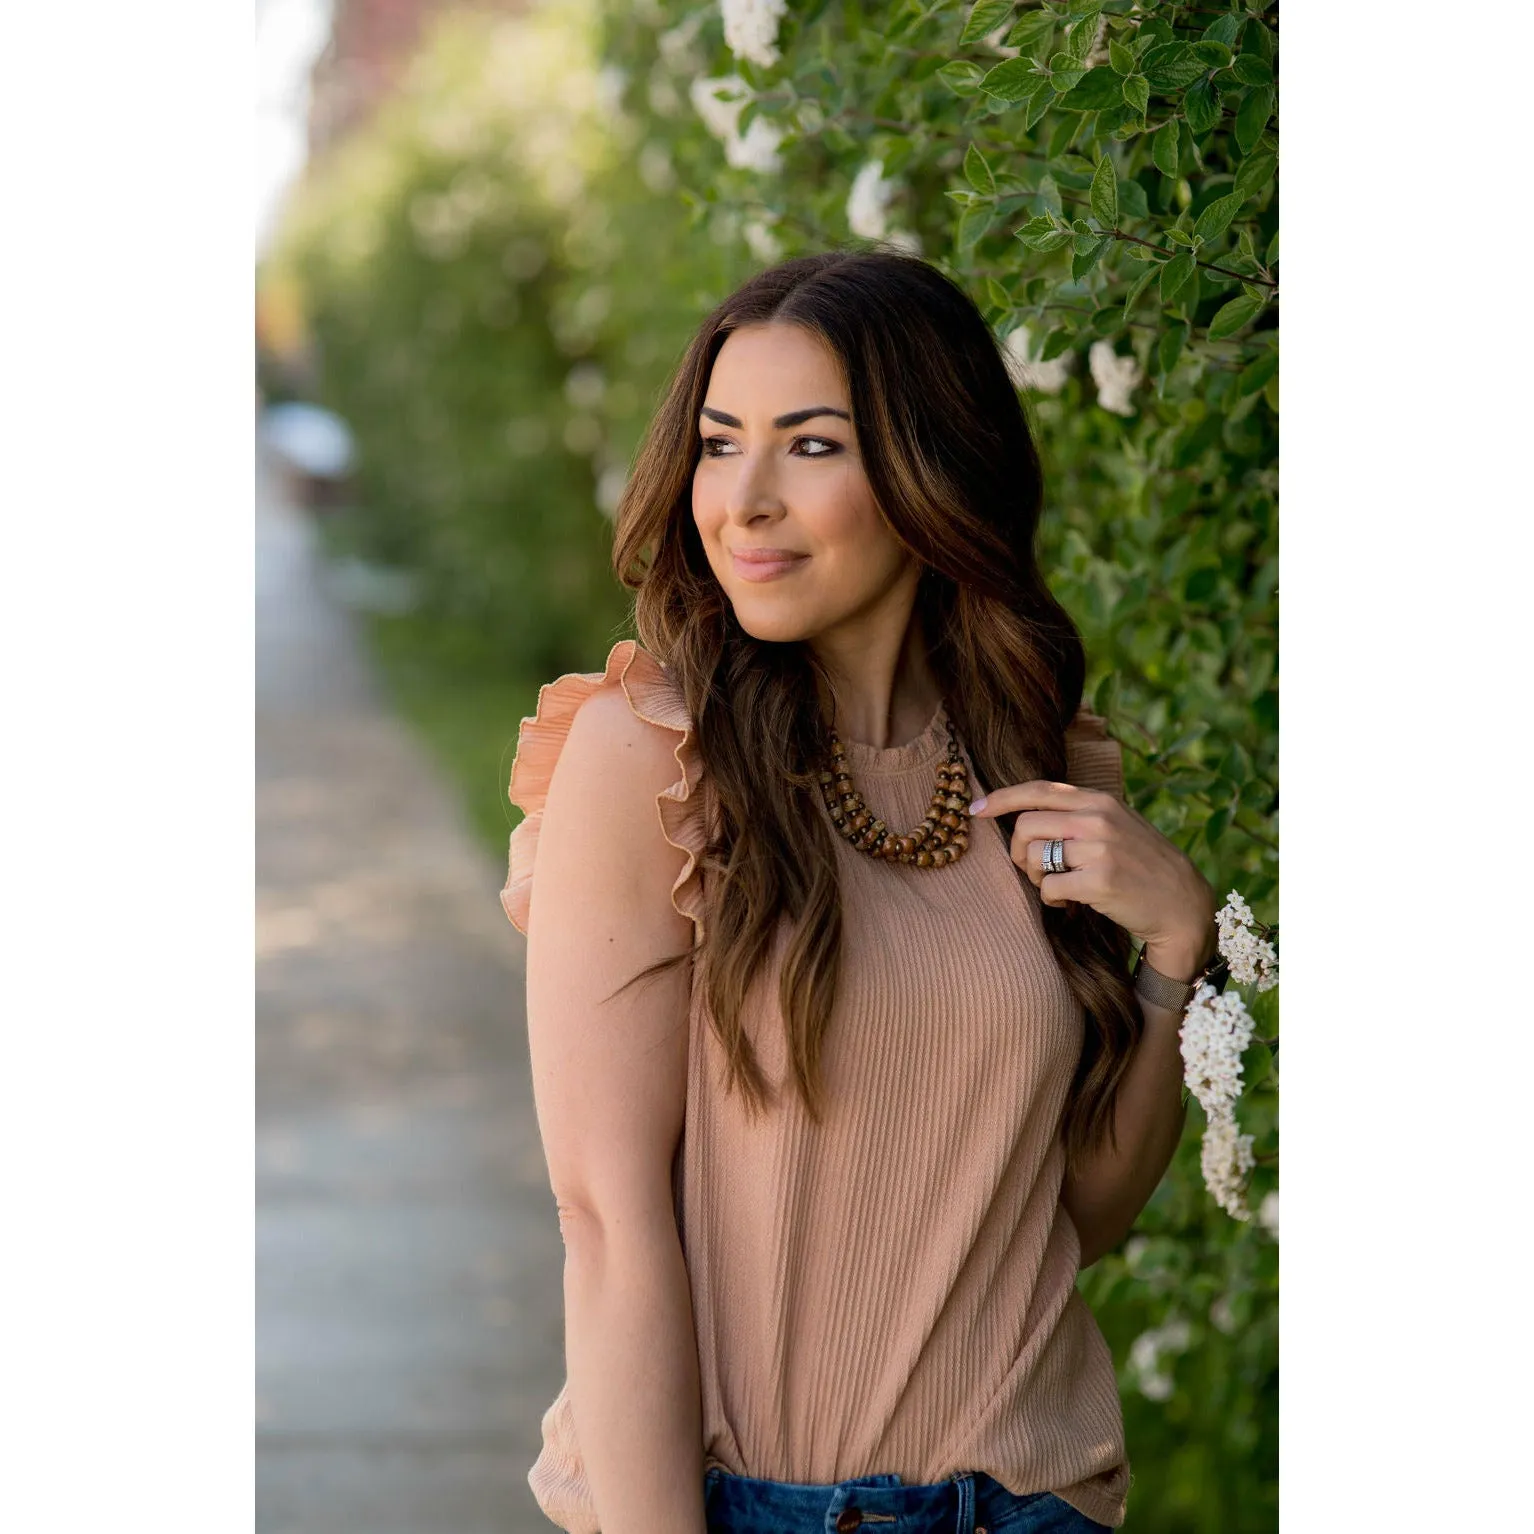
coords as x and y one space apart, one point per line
1162 991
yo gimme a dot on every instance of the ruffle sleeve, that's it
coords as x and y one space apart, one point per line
655 696
1093 758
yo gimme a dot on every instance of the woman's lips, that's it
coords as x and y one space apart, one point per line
766 569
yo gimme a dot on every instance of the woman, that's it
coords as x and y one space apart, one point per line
826 1174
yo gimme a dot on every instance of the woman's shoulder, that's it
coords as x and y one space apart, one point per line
637 705
1093 758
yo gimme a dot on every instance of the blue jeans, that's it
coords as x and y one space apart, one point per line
970 1502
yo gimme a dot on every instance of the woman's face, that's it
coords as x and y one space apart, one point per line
767 482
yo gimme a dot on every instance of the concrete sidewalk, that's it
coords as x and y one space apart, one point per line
408 1284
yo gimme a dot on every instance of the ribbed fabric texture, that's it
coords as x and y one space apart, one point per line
894 1290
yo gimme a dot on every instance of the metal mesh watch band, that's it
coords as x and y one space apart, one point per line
1162 991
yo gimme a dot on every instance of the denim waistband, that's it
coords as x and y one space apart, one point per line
874 1504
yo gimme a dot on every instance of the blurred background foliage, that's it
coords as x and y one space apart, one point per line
492 278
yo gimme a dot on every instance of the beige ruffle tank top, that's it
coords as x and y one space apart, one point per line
895 1290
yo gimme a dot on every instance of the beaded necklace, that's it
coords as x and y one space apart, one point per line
941 837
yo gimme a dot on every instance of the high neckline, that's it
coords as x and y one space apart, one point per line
925 748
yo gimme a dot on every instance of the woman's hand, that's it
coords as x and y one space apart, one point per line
1116 862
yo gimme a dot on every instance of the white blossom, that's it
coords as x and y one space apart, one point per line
1225 1159
1215 1030
868 201
1267 1213
719 102
1251 957
1222 1315
1114 376
1036 377
676 44
751 29
765 245
1145 1354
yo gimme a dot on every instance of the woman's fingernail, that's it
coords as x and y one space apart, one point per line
976 805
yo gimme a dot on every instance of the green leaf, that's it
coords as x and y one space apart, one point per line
1169 347
1271 258
1121 58
1079 43
1252 117
1140 253
1214 827
1104 698
1255 375
1235 314
1175 275
1056 344
1137 93
1179 236
1170 66
1254 174
1049 193
983 20
1061 135
1037 107
1201 107
1105 194
977 172
1013 80
1137 287
1042 224
998 295
1251 70
1226 30
1047 244
1260 40
974 223
963 77
1164 148
1083 261
1031 31
1216 217
1097 89
1214 54
1132 202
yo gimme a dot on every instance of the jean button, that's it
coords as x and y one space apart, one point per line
849 1518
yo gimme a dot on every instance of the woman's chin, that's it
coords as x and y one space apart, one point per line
761 621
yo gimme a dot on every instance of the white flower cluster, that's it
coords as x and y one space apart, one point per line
751 29
1035 377
1115 377
1215 1031
1146 1353
1225 1158
868 208
719 102
1250 956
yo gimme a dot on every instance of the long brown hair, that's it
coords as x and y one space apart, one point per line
950 459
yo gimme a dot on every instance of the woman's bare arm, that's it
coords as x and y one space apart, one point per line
609 1081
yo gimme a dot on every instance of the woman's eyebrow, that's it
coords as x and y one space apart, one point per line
793 418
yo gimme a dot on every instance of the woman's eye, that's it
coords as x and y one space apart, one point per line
713 447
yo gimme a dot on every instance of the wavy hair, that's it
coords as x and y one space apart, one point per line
948 453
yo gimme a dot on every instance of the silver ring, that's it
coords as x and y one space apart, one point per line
1054 856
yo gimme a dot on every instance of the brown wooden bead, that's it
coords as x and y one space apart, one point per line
952 821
